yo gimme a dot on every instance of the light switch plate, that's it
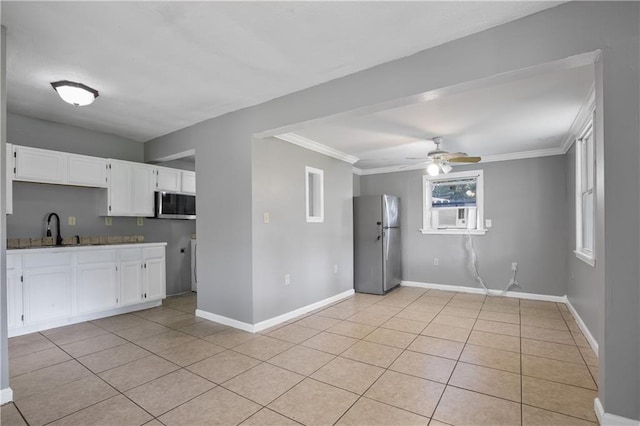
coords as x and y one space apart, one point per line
488 223
141 221
72 220
108 221
266 217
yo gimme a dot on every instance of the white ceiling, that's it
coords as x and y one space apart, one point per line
518 116
162 66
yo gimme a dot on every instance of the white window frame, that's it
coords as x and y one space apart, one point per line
426 203
585 254
318 216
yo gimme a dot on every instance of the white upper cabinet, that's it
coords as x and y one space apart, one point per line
119 199
143 187
188 182
83 170
168 179
40 165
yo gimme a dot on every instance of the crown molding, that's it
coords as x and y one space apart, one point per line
583 117
316 146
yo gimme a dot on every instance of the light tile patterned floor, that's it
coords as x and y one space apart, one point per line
412 357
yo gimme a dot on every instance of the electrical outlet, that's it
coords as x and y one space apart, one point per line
72 220
266 217
141 221
335 268
436 261
514 266
108 221
287 279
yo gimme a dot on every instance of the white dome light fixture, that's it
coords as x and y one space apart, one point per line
76 94
433 169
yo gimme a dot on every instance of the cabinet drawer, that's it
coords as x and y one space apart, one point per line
98 256
37 260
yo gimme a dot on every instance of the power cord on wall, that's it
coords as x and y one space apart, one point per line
513 282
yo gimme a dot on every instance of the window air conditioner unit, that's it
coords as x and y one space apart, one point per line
454 218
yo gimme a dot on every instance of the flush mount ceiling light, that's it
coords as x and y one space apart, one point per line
74 93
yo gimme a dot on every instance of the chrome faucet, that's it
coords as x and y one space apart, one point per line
58 237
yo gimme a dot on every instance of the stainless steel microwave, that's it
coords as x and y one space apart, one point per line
175 206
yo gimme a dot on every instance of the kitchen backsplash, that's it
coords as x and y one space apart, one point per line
14 243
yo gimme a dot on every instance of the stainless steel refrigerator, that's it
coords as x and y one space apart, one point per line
377 257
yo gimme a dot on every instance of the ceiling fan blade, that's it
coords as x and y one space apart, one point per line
418 158
465 160
457 154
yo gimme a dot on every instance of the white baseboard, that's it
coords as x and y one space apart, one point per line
608 419
6 395
263 325
475 290
583 327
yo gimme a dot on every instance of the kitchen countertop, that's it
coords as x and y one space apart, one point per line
56 249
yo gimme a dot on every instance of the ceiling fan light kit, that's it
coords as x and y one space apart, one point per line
438 160
76 94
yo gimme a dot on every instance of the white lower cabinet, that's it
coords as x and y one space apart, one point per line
48 288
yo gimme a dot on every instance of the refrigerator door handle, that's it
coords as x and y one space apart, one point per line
386 249
379 231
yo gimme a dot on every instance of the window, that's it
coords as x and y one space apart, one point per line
453 203
585 203
314 182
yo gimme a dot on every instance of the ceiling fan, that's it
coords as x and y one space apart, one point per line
439 159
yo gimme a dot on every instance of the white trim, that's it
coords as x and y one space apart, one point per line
263 325
317 147
523 155
583 116
608 419
357 171
13 332
176 156
476 290
589 260
6 395
453 231
583 327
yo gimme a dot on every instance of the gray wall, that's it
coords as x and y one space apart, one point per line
33 202
223 157
290 245
4 353
356 185
180 164
526 201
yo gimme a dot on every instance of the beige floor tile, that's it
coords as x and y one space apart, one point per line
440 294
397 301
405 324
369 318
47 378
407 392
72 333
565 399
460 312
397 339
36 360
415 314
120 322
372 353
454 321
548 335
191 352
502 308
489 357
568 353
463 407
318 322
223 366
28 344
114 411
266 417
557 371
163 341
349 375
182 321
554 324
215 407
167 392
464 304
538 304
438 347
532 416
263 383
351 329
435 422
489 315
496 341
294 333
9 416
63 400
487 380
425 366
203 328
161 313
446 332
428 304
337 313
589 356
93 344
114 357
263 347
135 373
230 337
314 403
373 413
143 331
329 342
497 327
301 360
383 309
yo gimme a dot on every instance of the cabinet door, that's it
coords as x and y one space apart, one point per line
120 193
9 176
143 187
47 294
96 287
14 299
131 282
154 273
168 179
83 170
40 165
189 182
